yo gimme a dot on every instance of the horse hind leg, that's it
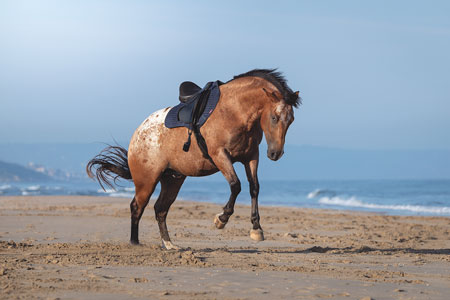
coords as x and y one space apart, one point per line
170 186
137 207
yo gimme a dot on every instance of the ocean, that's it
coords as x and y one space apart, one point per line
393 197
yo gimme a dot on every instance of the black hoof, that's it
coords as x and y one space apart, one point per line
134 242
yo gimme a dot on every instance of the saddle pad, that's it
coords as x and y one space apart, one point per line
172 120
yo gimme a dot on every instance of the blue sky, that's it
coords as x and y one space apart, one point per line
373 75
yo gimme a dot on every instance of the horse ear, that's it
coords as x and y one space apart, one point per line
273 96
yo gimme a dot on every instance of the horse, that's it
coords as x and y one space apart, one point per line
251 104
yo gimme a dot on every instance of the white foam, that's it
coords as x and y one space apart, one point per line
4 187
106 191
121 195
353 202
33 188
314 194
129 189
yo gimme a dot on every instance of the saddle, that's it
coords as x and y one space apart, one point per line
196 106
195 99
187 90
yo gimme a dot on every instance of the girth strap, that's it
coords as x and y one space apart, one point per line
193 124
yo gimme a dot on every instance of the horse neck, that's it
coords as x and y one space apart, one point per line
247 98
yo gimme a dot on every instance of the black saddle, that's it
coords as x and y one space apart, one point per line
187 90
196 106
195 99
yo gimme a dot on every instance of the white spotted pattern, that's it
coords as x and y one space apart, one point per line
152 127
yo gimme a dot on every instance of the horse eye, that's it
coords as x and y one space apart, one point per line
274 119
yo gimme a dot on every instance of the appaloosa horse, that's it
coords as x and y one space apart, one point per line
250 104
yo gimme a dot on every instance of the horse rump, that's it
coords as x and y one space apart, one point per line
109 165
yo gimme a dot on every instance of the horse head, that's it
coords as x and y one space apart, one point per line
277 116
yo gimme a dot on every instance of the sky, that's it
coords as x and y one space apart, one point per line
372 74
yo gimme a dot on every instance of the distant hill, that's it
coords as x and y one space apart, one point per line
67 157
10 172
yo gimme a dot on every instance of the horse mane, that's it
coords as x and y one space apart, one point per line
278 80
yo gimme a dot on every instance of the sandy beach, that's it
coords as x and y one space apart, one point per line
77 247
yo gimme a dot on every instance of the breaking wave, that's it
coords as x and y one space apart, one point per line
353 202
4 187
320 192
33 188
125 193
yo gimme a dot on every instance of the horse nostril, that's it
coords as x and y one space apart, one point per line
273 155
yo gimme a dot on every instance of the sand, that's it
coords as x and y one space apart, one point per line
77 247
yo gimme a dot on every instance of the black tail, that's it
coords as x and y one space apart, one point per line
110 164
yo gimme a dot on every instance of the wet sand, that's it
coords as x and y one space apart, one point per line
77 247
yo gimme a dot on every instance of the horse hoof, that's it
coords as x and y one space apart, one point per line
169 246
219 224
134 243
257 235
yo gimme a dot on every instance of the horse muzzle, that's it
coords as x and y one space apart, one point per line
275 155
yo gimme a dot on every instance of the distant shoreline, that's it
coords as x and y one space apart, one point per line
391 197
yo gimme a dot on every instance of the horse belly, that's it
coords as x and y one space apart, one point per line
193 171
190 163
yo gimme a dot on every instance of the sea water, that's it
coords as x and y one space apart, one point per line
394 197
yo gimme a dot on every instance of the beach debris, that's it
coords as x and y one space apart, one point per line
363 249
319 249
291 235
138 280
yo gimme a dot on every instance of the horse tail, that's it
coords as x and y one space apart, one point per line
109 165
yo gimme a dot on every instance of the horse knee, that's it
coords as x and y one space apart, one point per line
254 189
235 187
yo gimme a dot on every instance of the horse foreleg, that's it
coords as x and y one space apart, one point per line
251 169
224 164
170 186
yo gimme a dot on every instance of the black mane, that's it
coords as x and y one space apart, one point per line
277 79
